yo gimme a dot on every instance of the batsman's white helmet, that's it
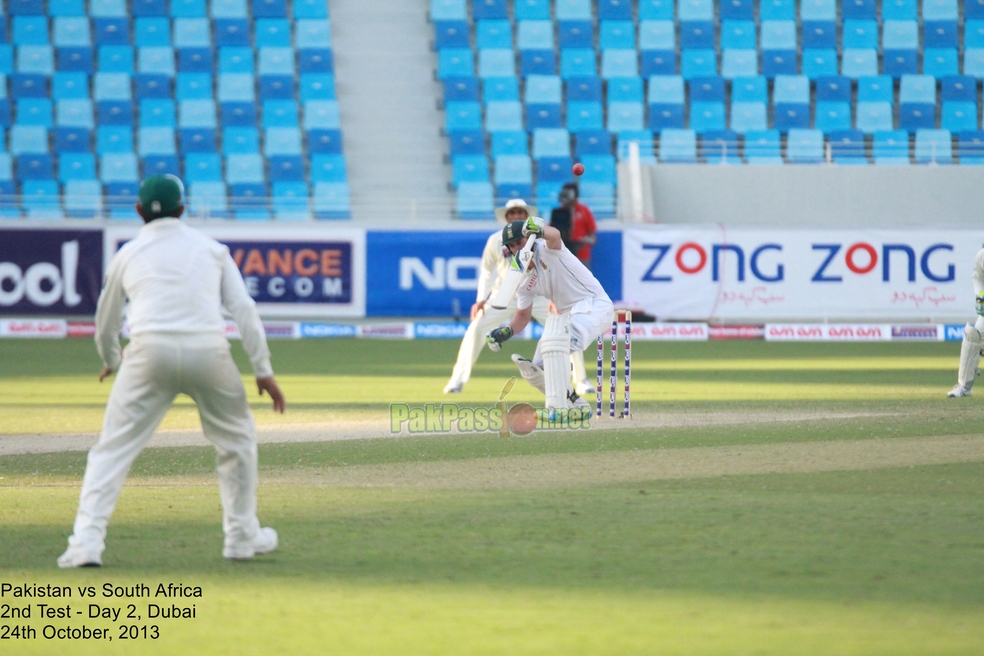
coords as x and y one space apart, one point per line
500 212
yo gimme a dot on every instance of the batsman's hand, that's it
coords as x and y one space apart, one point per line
496 337
269 384
534 226
979 304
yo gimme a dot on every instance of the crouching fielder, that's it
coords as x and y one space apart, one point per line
970 348
584 310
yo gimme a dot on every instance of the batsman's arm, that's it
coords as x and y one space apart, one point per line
109 318
521 319
551 235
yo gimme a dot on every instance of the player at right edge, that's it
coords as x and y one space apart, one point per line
584 311
970 348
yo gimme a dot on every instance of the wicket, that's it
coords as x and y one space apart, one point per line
626 317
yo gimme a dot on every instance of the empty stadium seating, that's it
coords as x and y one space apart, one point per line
775 82
235 96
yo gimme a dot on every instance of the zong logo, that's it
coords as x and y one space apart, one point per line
43 283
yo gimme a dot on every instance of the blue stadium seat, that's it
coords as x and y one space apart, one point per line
70 85
451 34
475 201
878 88
619 63
114 112
629 116
511 169
111 31
974 62
658 62
573 9
36 59
207 199
501 116
237 114
593 142
114 139
643 138
285 113
231 32
285 168
152 86
666 99
188 9
554 169
577 62
694 10
973 9
489 9
159 60
543 89
939 10
500 88
859 63
974 34
627 89
874 116
544 115
461 88
535 35
452 62
34 111
83 198
5 113
958 87
66 8
462 115
448 10
236 60
537 62
275 61
737 10
25 7
863 9
832 116
959 116
203 167
614 9
76 166
779 62
116 59
821 34
149 32
291 201
198 86
246 141
584 116
719 147
72 140
696 35
155 141
778 35
791 98
739 63
465 142
40 198
465 168
848 147
35 166
900 43
120 198
656 9
748 116
860 34
891 147
272 33
598 168
30 31
195 60
819 63
617 35
317 86
197 140
735 34
900 9
509 190
825 10
149 7
509 142
27 85
584 88
279 87
804 146
750 89
329 142
71 31
196 114
698 63
781 10
161 165
934 146
493 34
917 102
661 35
706 116
575 34
282 141
940 62
970 147
269 8
76 59
940 34
157 112
192 33
678 146
833 88
532 9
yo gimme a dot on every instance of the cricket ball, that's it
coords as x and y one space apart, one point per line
578 168
521 419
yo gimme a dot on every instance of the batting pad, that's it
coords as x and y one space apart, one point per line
970 356
555 347
531 373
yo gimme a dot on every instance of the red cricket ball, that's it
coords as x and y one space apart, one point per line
578 168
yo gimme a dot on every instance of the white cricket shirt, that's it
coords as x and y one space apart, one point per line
560 277
979 272
177 280
494 267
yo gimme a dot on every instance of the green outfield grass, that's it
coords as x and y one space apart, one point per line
884 560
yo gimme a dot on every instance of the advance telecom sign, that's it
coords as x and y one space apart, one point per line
713 273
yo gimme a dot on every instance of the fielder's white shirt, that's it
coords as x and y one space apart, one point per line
494 267
177 280
560 277
979 272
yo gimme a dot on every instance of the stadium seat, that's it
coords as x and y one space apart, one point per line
819 63
496 62
245 168
76 59
155 141
511 169
706 116
112 112
465 168
451 34
735 34
940 34
195 60
628 116
748 116
958 87
160 165
463 142
859 63
493 34
500 89
719 147
627 89
934 146
970 147
575 34
500 116
532 9
658 62
855 9
917 102
246 141
535 35
804 146
584 116
475 201
891 147
461 89
665 97
698 63
593 142
577 62
696 35
76 166
940 62
269 8
820 35
860 34
489 9
656 9
959 116
549 142
27 85
876 89
848 147
678 146
661 35
537 62
791 99
554 169
157 113
285 168
737 10
197 140
72 140
762 147
832 116
573 9
739 63
619 63
778 62
874 116
833 88
509 142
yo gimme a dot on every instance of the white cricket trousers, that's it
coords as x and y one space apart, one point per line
589 319
155 369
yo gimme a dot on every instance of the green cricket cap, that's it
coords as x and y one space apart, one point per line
160 195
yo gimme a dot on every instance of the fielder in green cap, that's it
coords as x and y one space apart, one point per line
161 196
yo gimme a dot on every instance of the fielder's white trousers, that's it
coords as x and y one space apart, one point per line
155 369
588 319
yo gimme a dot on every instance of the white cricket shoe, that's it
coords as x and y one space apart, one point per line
958 391
264 542
453 388
586 387
79 556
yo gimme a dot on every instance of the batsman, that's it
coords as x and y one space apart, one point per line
972 346
545 267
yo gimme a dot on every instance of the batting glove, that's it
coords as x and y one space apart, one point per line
979 304
534 226
496 337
